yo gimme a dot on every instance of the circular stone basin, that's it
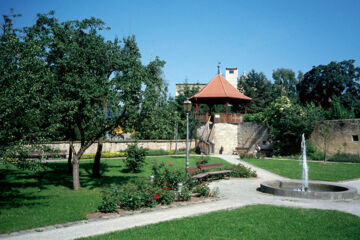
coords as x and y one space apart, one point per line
317 190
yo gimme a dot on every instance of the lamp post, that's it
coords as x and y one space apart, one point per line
187 109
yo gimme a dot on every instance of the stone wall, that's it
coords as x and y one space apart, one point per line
230 136
116 146
225 135
342 136
250 134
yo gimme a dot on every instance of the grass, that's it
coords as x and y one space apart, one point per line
29 200
317 170
252 222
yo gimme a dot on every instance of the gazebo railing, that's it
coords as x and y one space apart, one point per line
221 117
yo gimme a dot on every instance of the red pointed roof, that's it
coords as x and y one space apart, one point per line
219 91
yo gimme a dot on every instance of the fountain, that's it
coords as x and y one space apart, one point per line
306 189
305 168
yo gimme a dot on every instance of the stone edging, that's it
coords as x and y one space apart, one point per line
102 218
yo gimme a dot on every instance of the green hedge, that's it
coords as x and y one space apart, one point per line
344 157
156 152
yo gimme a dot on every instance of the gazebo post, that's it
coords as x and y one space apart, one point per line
227 104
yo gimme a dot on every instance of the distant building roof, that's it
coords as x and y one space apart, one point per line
219 91
181 86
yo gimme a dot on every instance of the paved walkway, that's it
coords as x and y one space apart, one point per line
235 192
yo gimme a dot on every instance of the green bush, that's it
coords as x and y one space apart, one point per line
345 157
240 171
202 189
158 152
131 197
135 157
184 195
104 155
313 153
255 117
197 150
110 199
167 175
166 196
203 160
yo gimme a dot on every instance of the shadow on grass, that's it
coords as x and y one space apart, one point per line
27 188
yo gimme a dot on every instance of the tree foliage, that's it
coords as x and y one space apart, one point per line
287 121
25 90
323 83
256 86
62 74
285 83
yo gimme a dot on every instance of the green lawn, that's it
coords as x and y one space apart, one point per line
317 170
29 200
252 222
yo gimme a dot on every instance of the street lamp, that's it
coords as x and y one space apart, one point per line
187 109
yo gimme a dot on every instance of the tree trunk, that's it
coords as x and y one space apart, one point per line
76 158
325 147
96 165
69 160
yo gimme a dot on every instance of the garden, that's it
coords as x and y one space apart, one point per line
33 199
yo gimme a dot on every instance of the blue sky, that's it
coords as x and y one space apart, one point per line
193 36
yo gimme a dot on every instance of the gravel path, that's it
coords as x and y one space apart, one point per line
235 193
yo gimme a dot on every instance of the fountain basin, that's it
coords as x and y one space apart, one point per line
317 190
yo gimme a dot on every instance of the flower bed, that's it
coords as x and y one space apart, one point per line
163 190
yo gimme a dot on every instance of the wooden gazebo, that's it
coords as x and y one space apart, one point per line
220 91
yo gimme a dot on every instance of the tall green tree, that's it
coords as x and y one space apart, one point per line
64 71
256 86
323 83
24 80
285 83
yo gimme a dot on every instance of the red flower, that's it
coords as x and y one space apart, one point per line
158 195
209 194
201 161
148 190
198 169
164 188
147 199
155 165
170 163
110 185
169 188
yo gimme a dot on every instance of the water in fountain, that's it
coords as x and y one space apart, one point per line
305 168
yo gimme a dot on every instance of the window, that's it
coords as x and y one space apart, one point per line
355 138
231 71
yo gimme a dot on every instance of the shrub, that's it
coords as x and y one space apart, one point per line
255 117
110 199
191 183
203 160
312 152
167 175
202 189
184 195
104 155
135 158
345 157
241 171
197 150
165 196
158 152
